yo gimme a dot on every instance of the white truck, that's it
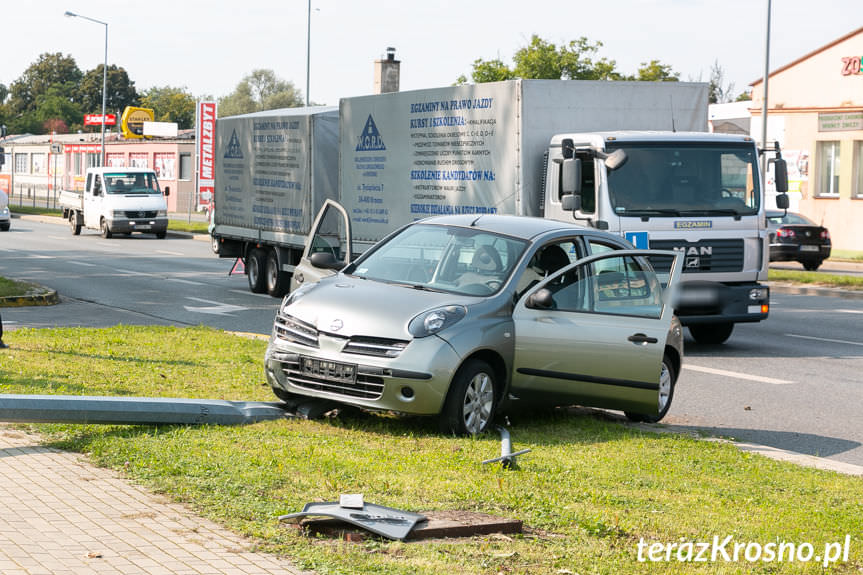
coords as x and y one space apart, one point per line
540 148
117 201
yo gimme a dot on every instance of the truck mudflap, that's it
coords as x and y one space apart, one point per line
701 303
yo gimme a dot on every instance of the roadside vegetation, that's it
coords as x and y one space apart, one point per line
13 288
588 492
816 279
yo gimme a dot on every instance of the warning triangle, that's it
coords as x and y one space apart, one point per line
234 151
239 267
370 140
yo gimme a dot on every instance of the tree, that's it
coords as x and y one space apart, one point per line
54 111
719 92
654 71
488 71
120 90
50 70
260 90
171 104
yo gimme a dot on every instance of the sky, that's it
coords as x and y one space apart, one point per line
208 46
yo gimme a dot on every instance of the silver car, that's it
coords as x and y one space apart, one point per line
460 316
5 215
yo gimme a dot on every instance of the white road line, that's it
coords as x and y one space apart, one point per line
85 264
828 340
848 311
130 272
190 282
169 253
736 374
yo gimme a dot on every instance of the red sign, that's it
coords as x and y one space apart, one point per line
96 119
205 134
85 148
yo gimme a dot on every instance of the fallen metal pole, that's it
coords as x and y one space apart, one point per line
507 457
135 410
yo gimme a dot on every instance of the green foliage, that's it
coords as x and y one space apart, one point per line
171 104
50 71
260 90
577 60
120 91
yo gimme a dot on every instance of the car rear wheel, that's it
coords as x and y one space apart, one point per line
471 401
811 265
713 333
255 269
667 381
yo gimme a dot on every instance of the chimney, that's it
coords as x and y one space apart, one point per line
387 73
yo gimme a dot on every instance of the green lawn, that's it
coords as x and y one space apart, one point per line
13 288
588 493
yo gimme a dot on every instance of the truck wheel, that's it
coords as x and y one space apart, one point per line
278 281
667 381
256 272
214 244
5 227
106 231
712 332
73 224
471 401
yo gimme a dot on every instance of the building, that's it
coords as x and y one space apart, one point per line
37 167
815 111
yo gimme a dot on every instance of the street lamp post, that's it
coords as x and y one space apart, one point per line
104 75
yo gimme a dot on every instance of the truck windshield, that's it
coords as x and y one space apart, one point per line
692 179
131 183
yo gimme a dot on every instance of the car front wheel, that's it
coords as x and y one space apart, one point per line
667 381
471 401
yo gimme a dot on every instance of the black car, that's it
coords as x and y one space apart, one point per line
794 237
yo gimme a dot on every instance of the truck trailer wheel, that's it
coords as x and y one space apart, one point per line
73 224
713 333
106 231
255 268
278 281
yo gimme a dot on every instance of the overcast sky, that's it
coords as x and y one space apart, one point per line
207 46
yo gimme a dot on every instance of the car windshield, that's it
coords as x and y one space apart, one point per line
443 258
789 218
131 183
685 180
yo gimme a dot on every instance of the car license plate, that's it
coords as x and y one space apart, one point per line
143 227
809 248
329 370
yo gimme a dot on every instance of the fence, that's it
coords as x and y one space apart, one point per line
34 195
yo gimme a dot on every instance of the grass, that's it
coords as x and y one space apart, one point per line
816 278
588 492
851 255
13 288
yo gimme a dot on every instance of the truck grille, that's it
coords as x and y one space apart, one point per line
141 215
705 256
365 386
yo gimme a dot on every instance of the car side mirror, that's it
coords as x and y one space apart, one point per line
167 191
326 261
541 299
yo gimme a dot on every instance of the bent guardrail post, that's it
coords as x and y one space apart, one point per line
135 410
507 457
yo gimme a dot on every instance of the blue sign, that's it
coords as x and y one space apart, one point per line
638 239
370 140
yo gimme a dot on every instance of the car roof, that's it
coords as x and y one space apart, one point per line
518 226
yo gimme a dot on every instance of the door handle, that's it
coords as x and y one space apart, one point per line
640 338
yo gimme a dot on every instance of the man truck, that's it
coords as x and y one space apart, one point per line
633 158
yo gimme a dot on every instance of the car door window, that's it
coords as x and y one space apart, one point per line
547 260
618 285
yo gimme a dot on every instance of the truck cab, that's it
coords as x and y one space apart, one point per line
118 200
699 194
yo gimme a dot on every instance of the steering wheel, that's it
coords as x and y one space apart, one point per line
726 193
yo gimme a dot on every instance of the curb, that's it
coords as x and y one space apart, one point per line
46 297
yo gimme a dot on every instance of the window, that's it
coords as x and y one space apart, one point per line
858 169
94 160
138 161
828 170
185 166
164 165
7 162
20 163
115 160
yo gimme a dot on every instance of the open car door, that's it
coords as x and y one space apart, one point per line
594 333
328 246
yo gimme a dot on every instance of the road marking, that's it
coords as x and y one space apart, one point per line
848 310
85 264
130 272
828 340
216 309
169 253
736 374
182 281
262 295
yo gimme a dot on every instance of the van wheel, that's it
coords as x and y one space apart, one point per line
161 235
277 280
667 381
255 270
106 231
73 224
712 332
471 401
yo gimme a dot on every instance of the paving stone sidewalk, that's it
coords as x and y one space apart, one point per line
61 515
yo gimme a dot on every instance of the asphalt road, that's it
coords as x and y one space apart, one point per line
792 382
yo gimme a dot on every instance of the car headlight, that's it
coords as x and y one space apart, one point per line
432 321
119 214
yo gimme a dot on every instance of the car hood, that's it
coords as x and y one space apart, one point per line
347 307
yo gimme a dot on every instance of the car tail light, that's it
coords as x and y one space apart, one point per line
825 235
784 233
